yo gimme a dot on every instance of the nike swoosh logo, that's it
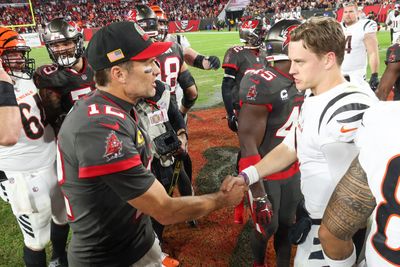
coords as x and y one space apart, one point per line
255 81
114 126
344 130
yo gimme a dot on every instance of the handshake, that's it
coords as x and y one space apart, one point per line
261 206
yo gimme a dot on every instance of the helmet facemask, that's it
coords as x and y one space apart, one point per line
16 62
162 30
66 57
150 26
59 31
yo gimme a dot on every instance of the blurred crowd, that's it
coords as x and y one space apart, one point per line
92 13
98 13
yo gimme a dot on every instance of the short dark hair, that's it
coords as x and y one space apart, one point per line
321 35
102 77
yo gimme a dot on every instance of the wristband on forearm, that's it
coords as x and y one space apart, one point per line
198 62
7 95
250 175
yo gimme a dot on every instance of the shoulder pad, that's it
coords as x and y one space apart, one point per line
48 76
393 54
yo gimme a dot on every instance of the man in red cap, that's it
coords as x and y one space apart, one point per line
104 158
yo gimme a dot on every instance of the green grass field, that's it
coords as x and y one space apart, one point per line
209 84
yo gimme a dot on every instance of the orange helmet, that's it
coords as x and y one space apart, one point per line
162 22
159 13
15 54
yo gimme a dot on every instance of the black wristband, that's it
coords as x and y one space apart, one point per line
198 62
7 95
374 75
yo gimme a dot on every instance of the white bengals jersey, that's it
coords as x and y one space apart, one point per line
36 145
396 27
327 119
180 39
355 55
394 20
378 139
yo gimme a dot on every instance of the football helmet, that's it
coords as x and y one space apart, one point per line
162 23
252 32
57 32
15 54
278 38
145 18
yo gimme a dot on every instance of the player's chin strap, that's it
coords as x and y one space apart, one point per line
175 176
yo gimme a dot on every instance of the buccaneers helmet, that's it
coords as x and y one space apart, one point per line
252 32
278 38
145 18
162 23
15 54
58 31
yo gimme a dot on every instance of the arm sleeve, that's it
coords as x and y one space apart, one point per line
175 117
256 90
228 84
230 59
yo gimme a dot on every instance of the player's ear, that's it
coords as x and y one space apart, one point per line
329 60
119 74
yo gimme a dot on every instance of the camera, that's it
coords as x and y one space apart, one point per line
167 143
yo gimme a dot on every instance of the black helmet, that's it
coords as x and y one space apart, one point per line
145 17
252 32
278 38
59 30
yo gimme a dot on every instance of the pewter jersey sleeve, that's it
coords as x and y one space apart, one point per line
378 139
355 56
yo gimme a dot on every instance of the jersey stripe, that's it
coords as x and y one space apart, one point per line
232 66
366 24
332 102
349 107
93 171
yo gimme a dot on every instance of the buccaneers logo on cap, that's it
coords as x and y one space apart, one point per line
113 147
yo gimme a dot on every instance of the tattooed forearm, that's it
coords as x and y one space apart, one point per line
351 203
